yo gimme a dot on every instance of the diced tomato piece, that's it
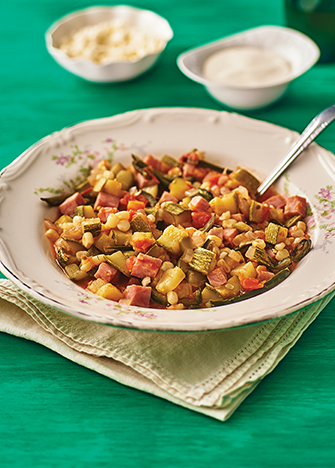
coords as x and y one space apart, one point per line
191 158
85 192
132 213
131 196
249 284
214 179
130 262
135 205
143 244
200 218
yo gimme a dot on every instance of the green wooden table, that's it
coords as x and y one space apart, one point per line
57 414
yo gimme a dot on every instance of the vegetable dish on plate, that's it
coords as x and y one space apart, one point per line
176 234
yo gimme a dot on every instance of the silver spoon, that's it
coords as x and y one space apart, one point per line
317 125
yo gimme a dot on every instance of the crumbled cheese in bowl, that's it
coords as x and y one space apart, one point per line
110 42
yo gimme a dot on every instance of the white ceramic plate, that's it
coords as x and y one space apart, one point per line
228 139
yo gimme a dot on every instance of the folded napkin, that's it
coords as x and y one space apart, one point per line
208 372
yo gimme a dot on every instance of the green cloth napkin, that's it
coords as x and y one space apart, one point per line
208 372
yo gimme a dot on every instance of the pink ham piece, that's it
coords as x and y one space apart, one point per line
70 204
105 211
138 295
188 170
228 235
216 231
107 272
239 217
153 162
104 199
217 278
263 274
166 196
143 182
145 265
198 203
277 201
295 206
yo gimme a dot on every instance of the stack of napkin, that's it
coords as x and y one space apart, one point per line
208 372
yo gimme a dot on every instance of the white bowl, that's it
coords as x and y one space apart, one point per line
229 140
300 51
142 20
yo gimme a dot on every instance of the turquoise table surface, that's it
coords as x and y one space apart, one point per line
54 413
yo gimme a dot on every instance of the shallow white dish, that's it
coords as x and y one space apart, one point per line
228 139
300 51
143 20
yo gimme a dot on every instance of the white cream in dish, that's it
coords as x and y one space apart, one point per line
246 66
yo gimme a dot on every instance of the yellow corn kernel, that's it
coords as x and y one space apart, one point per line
87 240
282 254
123 225
172 297
112 221
123 215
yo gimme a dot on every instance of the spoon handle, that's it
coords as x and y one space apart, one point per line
316 126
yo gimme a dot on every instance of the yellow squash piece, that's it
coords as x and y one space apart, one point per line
113 187
170 280
178 187
228 202
108 291
171 238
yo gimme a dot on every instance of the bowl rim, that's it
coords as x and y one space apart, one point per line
148 117
56 52
212 44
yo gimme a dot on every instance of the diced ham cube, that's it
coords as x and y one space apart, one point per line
145 265
138 295
277 201
107 272
133 280
70 204
105 211
153 162
216 231
263 274
166 196
295 206
228 235
188 170
198 203
239 217
217 278
143 182
104 199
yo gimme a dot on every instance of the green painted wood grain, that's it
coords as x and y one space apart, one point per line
54 413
